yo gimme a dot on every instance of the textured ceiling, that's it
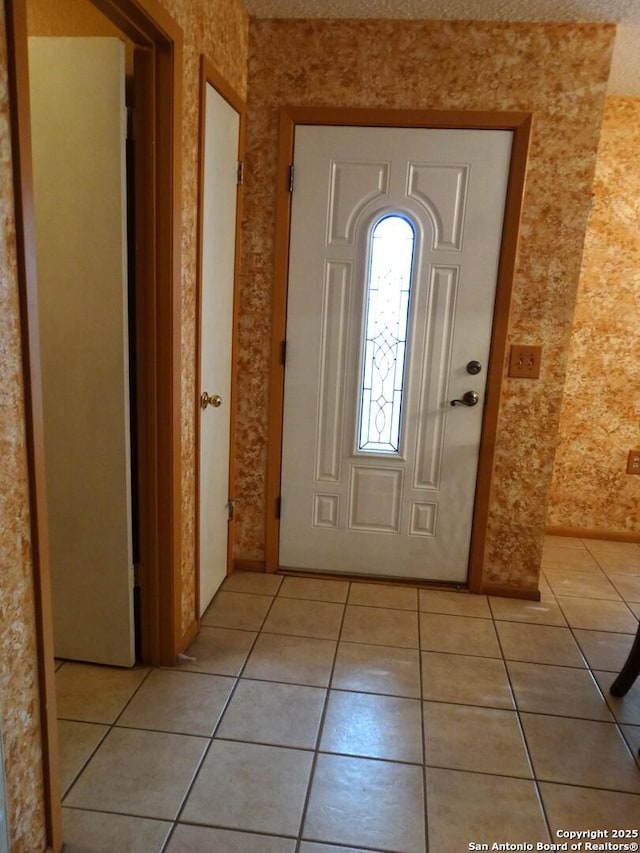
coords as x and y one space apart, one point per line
625 68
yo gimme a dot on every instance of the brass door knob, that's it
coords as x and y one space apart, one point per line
210 400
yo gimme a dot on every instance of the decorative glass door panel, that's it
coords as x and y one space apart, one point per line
388 289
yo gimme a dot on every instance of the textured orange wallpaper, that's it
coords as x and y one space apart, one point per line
557 71
600 418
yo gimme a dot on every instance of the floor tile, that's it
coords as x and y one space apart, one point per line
373 726
558 557
571 808
484 740
546 593
603 649
581 584
281 690
610 555
580 752
561 690
320 619
250 787
340 804
632 736
384 595
259 583
619 566
626 709
598 615
295 660
465 679
277 714
314 589
459 635
76 742
242 610
598 547
128 773
616 557
377 669
627 585
475 807
520 610
177 701
219 651
95 694
539 644
380 626
197 839
454 603
104 833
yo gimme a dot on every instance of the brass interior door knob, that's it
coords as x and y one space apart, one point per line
210 400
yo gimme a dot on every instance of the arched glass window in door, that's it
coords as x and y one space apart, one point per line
388 290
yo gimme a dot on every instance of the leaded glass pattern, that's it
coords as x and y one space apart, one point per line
385 338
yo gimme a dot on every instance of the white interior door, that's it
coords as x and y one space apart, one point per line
379 469
221 142
79 135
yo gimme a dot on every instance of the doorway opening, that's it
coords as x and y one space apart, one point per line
157 128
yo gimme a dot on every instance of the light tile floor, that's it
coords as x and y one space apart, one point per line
326 716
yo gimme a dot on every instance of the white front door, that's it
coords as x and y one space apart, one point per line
394 250
221 142
78 120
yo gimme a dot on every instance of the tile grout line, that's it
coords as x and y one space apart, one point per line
423 732
590 669
110 727
200 763
613 721
320 732
525 741
211 738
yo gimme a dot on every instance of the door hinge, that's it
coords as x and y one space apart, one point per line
278 506
291 170
283 352
240 173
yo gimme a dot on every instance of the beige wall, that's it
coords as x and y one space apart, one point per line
219 29
600 416
556 71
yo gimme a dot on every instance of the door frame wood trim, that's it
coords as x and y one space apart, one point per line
520 123
209 75
17 60
148 25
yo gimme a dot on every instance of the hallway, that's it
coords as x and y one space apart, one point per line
322 715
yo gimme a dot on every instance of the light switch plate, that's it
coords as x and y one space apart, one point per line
524 361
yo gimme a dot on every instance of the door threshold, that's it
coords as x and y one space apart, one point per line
389 580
